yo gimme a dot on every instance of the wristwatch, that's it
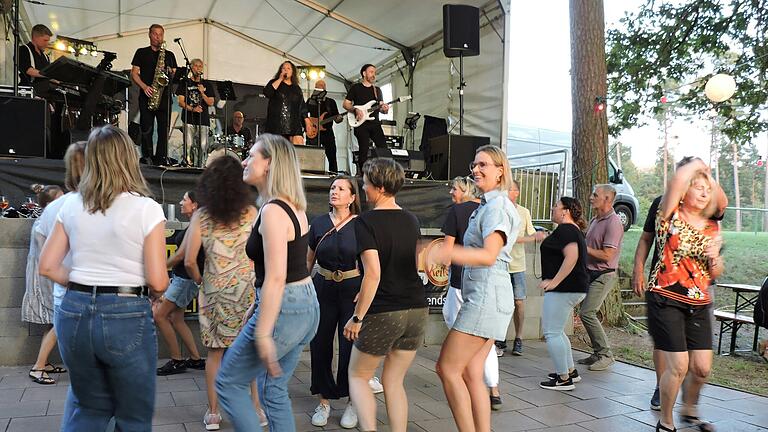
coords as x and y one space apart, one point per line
356 320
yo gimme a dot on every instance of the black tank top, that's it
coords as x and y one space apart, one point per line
297 250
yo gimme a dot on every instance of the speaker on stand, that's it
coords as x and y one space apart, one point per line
461 38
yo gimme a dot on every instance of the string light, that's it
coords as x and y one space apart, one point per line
311 72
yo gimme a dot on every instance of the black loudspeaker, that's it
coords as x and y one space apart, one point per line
22 125
461 30
410 160
452 154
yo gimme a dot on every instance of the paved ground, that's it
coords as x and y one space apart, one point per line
615 400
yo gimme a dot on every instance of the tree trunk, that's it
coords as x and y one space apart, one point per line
588 83
590 126
736 192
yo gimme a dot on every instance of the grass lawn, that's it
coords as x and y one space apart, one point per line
746 261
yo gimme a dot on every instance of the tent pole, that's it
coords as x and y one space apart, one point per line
16 48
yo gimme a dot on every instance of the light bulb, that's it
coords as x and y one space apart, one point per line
322 74
83 51
303 75
60 46
313 74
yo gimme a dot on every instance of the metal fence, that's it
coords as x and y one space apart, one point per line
542 177
745 219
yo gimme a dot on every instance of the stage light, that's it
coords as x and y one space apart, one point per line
83 51
322 74
313 74
303 75
94 53
74 46
71 49
61 46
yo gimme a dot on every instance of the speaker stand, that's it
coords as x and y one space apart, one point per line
462 84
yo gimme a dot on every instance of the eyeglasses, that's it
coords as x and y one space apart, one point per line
480 165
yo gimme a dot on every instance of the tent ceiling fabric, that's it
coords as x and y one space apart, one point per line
288 26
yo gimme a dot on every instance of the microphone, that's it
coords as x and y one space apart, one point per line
177 40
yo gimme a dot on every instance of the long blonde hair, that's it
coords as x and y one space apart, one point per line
284 174
111 168
500 160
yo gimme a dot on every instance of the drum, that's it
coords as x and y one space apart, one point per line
218 152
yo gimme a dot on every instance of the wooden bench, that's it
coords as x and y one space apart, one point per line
730 321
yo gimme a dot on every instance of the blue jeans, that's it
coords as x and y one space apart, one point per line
109 345
555 314
294 329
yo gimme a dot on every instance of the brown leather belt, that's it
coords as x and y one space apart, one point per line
338 275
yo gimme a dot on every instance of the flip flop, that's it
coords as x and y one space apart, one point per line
50 368
696 422
43 379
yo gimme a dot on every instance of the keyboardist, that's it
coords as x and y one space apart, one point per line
32 56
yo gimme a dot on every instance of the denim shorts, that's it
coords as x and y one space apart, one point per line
181 291
58 295
488 302
518 285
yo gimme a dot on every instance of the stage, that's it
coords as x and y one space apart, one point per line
427 199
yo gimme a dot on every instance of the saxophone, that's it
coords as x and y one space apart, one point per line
159 81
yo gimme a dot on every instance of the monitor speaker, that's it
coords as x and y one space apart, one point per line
311 158
452 154
22 125
461 30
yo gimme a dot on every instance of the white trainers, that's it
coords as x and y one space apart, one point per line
320 418
349 419
375 385
212 421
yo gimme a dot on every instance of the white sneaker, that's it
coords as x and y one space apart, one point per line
320 418
349 419
375 385
212 421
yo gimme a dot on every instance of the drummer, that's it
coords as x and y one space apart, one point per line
238 128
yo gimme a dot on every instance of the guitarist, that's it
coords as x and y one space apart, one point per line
360 94
326 138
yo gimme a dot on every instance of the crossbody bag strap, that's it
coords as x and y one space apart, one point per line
333 229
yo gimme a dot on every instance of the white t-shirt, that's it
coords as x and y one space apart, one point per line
44 227
108 249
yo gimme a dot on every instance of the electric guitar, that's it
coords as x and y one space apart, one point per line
369 109
317 125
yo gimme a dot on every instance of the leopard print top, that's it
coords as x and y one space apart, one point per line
682 271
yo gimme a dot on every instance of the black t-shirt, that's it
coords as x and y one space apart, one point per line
179 269
394 234
552 258
193 98
455 225
650 226
338 250
146 59
286 109
327 107
25 62
244 132
360 95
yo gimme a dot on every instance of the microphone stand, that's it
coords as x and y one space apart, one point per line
185 111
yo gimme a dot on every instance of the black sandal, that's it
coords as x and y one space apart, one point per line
661 428
50 368
696 422
43 379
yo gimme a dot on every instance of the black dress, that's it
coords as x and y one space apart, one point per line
338 251
286 110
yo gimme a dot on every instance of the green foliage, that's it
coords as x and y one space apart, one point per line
666 43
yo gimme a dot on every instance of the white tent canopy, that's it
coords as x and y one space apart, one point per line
245 41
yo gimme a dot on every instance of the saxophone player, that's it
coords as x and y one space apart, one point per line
148 76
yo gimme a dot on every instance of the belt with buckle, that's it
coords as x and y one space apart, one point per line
338 275
140 291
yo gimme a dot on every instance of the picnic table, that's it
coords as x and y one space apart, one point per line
732 319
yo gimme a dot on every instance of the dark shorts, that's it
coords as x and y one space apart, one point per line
676 326
397 330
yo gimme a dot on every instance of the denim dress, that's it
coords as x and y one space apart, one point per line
487 290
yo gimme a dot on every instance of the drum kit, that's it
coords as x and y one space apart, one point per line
227 145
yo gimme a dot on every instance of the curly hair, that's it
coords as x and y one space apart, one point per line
577 212
222 192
